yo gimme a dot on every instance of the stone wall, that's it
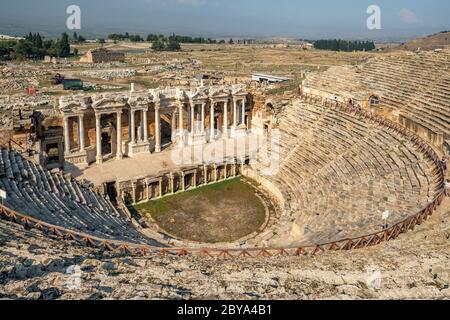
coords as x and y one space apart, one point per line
102 55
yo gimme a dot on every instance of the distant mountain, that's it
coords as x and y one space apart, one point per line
435 41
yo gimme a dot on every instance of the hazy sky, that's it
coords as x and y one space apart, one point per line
223 18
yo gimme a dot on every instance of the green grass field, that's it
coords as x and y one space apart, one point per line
222 212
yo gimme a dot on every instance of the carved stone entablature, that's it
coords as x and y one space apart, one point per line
139 100
219 93
74 105
108 102
166 94
239 90
197 96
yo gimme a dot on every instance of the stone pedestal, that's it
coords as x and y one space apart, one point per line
239 131
138 148
78 160
197 139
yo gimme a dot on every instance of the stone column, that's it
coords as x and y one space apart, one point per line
147 189
205 174
243 112
202 128
145 124
133 128
181 124
81 141
192 119
215 172
211 122
157 129
235 114
133 190
183 186
66 136
171 178
129 125
225 120
160 187
119 154
98 137
173 126
195 179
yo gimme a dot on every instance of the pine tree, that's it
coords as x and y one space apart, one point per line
64 48
39 43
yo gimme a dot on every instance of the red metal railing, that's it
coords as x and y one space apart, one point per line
360 242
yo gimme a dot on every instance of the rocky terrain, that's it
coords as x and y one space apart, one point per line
110 74
415 266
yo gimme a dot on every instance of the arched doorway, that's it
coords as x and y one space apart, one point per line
374 101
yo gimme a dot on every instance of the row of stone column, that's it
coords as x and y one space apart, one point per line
226 125
181 176
144 126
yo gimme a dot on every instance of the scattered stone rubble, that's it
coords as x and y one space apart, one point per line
110 74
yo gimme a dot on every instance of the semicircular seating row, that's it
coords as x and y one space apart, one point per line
416 85
339 173
63 202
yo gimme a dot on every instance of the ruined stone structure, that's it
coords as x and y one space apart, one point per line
341 164
142 189
339 167
102 55
102 126
411 89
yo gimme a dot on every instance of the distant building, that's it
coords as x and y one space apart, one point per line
102 55
268 78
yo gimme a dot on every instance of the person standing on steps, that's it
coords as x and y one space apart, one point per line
444 165
447 188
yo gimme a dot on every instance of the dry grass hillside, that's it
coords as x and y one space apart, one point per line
432 42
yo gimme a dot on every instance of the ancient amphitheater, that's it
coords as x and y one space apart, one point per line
352 143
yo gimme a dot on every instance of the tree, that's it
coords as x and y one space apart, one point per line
38 42
231 41
152 37
64 48
173 45
343 45
158 45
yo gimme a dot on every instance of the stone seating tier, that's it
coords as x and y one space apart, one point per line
416 85
58 200
339 173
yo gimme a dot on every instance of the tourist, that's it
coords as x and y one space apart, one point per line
447 188
444 165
